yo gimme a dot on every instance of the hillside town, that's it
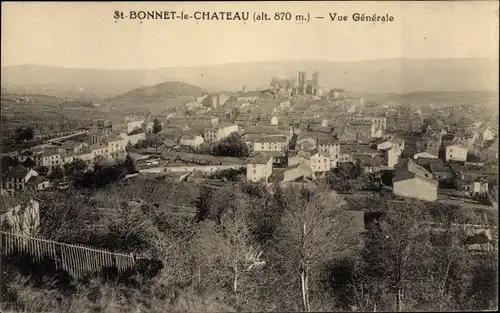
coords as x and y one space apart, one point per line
291 136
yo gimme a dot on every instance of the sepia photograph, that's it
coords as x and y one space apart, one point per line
249 156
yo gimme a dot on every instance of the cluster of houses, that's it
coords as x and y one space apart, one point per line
420 159
300 139
100 144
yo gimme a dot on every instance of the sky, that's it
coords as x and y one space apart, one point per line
86 35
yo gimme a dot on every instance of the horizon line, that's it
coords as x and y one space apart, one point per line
243 62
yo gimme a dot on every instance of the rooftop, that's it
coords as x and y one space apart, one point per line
262 130
368 160
259 158
409 169
301 167
271 139
348 149
16 172
70 144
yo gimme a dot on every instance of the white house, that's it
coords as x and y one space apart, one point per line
274 120
331 147
51 158
413 181
193 141
116 146
488 134
456 152
259 167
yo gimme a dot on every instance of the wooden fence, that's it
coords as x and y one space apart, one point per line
77 260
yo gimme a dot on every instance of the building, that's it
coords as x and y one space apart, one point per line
488 134
442 172
38 183
331 147
116 146
428 147
51 158
16 178
347 152
296 172
302 82
456 152
368 163
18 217
274 120
469 183
379 120
193 141
210 134
337 94
148 127
466 138
215 100
98 136
99 150
414 181
271 143
407 123
103 123
220 132
317 161
71 146
224 130
259 167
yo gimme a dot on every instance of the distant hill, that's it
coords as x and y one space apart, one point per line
439 98
158 93
371 76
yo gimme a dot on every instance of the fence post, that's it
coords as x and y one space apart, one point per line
1 267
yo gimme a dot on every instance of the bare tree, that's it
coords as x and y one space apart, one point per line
314 228
228 241
398 252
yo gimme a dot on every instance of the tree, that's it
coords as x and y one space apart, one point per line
42 170
129 165
227 242
157 127
75 167
128 146
231 146
24 134
314 228
56 173
397 254
154 140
